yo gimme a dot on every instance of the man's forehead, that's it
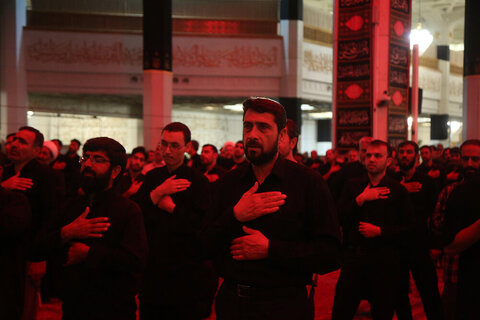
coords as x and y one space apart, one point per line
406 147
139 155
96 153
377 149
471 149
25 135
256 117
172 135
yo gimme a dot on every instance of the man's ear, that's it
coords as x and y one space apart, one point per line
36 150
293 142
389 161
116 171
282 134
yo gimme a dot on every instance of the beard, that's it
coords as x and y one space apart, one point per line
262 157
470 172
406 166
94 183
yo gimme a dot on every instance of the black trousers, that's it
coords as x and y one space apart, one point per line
424 274
373 280
237 302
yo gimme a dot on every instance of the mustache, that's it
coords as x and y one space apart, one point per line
88 170
253 143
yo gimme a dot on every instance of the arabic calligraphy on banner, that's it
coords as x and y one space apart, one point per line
91 52
398 70
353 73
237 56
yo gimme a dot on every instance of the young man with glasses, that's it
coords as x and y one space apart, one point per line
177 283
102 240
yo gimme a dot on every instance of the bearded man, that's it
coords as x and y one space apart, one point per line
416 257
102 239
274 225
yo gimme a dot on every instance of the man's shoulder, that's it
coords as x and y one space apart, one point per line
122 205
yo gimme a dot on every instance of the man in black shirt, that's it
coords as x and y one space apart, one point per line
274 224
375 215
38 184
177 282
209 160
350 170
416 257
239 155
462 229
101 238
130 181
15 222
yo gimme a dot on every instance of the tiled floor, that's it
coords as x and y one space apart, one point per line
323 302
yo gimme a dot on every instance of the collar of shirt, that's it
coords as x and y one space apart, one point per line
278 171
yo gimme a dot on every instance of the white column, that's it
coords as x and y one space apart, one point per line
157 105
13 86
471 107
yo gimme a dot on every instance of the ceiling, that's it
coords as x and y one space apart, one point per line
443 18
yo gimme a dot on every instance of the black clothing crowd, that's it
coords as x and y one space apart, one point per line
97 230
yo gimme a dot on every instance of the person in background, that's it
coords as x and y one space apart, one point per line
194 161
239 155
15 224
157 161
26 175
209 161
226 156
375 212
130 181
288 143
177 282
462 232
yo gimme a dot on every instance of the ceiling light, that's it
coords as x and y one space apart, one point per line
307 107
234 107
457 47
321 115
422 37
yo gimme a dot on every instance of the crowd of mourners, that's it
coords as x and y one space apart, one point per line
162 234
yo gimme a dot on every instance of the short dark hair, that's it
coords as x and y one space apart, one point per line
212 146
454 150
115 151
379 143
77 141
194 144
425 146
141 150
179 127
239 141
470 142
408 143
262 105
38 142
292 129
60 143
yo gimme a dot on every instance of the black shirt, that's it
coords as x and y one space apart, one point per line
124 182
423 202
463 209
303 234
393 215
175 266
43 199
15 221
105 284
